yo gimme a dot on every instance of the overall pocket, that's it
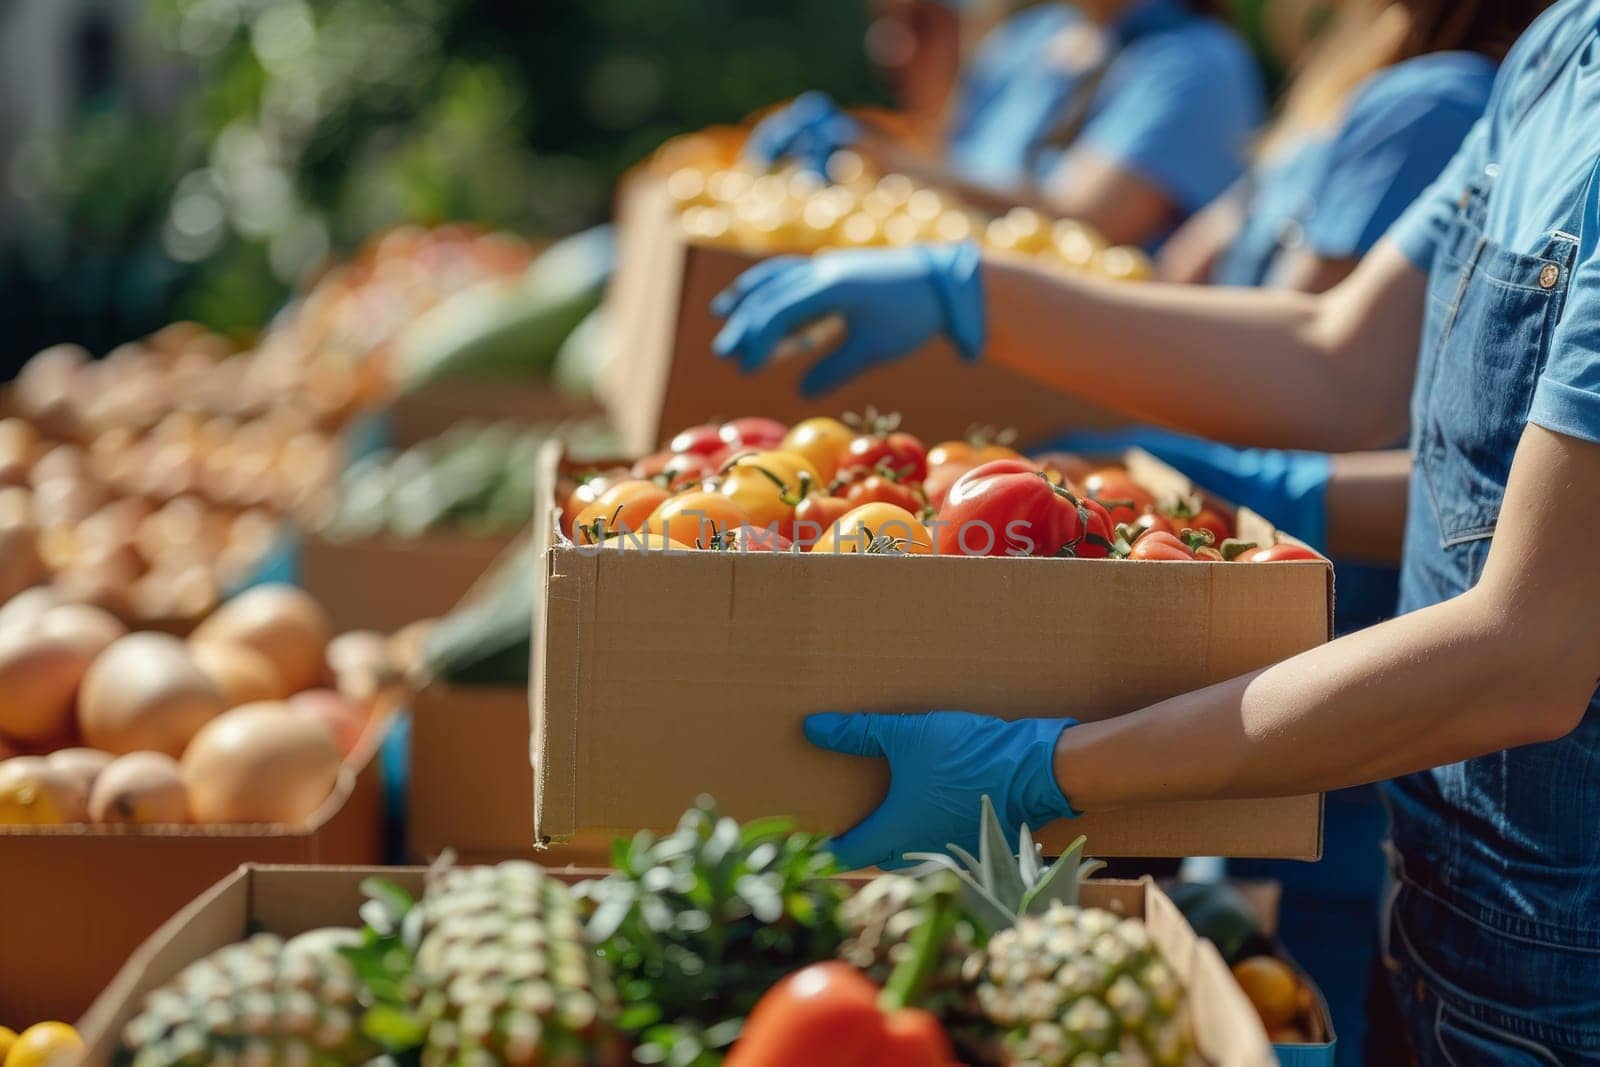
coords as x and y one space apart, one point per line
1487 356
1466 1042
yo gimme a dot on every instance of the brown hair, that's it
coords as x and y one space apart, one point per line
1366 36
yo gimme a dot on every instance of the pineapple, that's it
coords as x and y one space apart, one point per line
261 1002
1056 985
503 974
881 922
1080 987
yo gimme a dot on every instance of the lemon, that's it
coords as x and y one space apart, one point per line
46 1045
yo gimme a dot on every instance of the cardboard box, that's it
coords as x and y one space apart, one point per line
659 676
289 900
386 582
79 899
426 412
471 783
664 377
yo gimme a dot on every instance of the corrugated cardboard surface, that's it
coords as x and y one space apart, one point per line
77 900
288 901
384 583
427 412
658 677
665 378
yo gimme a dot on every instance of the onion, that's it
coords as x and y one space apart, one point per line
261 763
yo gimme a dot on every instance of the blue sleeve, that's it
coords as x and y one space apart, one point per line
1423 225
1567 398
1184 115
1399 134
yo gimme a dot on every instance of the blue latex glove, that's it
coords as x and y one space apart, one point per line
1290 489
892 301
810 129
942 764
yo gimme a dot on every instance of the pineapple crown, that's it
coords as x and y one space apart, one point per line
999 886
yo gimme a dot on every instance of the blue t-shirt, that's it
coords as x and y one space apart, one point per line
1561 131
1178 103
1338 195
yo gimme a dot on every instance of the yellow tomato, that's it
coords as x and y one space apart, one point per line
877 527
644 542
799 474
46 1045
821 441
768 497
621 509
8 1038
692 518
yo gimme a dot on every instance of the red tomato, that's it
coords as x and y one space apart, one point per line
1152 520
1008 508
1072 467
704 439
1192 515
652 465
686 468
816 515
1122 496
753 431
1099 532
877 488
1211 520
754 539
1281 552
1160 545
901 453
941 478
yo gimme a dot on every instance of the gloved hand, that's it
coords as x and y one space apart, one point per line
942 763
811 129
892 300
1290 489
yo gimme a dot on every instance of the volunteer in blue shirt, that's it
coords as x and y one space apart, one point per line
1129 115
1478 705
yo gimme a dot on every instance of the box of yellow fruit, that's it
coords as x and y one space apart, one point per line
689 223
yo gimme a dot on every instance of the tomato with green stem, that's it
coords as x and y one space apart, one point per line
1010 508
767 497
695 517
1122 496
623 508
1159 545
877 529
878 488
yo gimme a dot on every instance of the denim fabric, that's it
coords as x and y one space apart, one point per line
1495 929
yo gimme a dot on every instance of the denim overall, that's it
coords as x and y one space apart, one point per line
1491 926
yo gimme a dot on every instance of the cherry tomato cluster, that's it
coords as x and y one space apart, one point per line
864 485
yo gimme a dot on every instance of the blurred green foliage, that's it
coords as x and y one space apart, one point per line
309 124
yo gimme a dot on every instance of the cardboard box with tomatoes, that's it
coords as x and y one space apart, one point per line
664 376
766 572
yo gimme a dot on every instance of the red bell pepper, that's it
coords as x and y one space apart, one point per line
832 1015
